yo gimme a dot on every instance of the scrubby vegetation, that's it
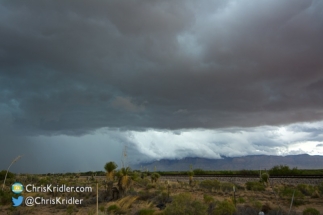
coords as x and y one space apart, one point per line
124 191
255 186
280 170
185 204
311 211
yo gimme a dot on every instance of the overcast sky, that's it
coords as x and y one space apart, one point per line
82 80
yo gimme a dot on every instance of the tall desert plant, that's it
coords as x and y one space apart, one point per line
190 177
124 180
154 177
265 178
110 168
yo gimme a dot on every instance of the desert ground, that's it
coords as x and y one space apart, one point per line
146 196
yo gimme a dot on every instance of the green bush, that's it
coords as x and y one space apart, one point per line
255 186
287 193
264 177
311 211
256 204
143 182
284 170
199 171
146 212
154 177
135 176
162 197
112 208
185 204
241 200
151 186
320 188
225 207
101 208
208 199
305 189
226 186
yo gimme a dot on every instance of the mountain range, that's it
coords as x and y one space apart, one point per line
251 162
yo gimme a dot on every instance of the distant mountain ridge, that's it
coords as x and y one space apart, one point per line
251 162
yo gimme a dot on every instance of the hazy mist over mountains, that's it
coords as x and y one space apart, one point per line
252 162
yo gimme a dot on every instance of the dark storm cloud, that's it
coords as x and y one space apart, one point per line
73 67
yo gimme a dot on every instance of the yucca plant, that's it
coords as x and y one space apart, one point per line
190 175
110 168
124 181
154 177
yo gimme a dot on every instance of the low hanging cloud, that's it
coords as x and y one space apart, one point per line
233 142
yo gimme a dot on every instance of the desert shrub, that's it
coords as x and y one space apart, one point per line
185 204
311 211
162 197
5 197
146 212
239 187
247 172
264 177
10 181
143 182
199 171
32 179
315 194
143 175
112 208
151 186
70 209
305 189
226 186
101 208
135 176
154 177
240 200
255 186
43 181
284 170
209 184
208 199
225 207
320 188
3 175
146 195
287 193
255 203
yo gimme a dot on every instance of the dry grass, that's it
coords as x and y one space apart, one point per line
131 204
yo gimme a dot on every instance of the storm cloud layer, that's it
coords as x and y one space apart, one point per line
73 67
